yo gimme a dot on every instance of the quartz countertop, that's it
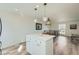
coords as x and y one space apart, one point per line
44 37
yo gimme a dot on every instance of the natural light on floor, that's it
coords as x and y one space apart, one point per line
62 42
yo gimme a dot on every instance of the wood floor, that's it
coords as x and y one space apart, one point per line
61 46
19 49
64 46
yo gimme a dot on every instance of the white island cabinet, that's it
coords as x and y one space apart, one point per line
39 44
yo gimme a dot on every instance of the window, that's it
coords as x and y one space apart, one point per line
62 28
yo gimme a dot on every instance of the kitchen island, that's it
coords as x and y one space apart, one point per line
39 44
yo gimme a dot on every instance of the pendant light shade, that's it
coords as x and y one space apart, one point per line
35 20
45 18
48 22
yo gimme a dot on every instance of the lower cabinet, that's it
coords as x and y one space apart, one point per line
38 46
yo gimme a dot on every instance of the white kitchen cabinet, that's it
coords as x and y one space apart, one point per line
39 44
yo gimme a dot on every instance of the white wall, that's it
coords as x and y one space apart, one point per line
68 31
72 31
15 28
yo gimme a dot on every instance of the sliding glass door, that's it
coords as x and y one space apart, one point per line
62 28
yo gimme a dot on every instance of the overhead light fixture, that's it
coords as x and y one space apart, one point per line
48 22
45 18
36 13
16 9
37 6
35 20
19 12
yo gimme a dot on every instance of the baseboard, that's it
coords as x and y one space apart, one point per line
14 45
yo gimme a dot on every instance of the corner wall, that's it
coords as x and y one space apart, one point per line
15 28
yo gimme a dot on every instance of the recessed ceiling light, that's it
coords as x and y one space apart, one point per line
21 13
16 9
37 6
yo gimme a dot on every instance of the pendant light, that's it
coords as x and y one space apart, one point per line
36 13
35 20
45 17
48 22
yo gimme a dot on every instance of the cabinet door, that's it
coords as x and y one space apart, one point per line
30 46
28 38
27 43
39 46
35 46
49 47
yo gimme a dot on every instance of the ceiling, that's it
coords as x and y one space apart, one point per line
55 11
